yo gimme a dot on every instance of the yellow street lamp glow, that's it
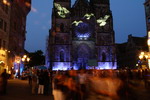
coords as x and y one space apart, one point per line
18 61
146 56
148 42
142 53
25 56
5 1
28 59
23 59
141 56
148 34
149 63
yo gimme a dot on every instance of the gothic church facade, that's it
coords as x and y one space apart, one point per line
81 36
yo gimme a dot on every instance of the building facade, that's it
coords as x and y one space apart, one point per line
147 14
128 52
17 35
82 35
12 30
4 33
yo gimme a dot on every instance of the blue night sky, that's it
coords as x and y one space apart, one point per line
128 18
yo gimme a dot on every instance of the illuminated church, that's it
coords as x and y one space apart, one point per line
81 36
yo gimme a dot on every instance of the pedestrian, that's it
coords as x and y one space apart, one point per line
82 84
46 82
41 83
4 78
34 82
58 88
71 84
30 79
0 85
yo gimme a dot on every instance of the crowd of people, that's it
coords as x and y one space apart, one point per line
82 84
96 84
39 81
86 85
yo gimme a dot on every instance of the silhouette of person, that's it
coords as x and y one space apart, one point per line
4 77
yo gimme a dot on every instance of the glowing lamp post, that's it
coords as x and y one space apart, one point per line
144 57
28 59
25 58
141 56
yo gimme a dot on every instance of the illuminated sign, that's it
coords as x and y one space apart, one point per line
62 11
102 21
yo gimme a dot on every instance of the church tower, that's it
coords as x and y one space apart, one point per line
60 37
82 36
105 41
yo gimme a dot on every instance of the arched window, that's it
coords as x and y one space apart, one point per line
62 27
61 56
103 57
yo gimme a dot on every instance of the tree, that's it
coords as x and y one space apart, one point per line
36 58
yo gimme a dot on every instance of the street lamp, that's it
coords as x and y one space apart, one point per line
25 58
144 57
28 59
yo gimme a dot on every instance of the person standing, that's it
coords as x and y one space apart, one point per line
34 82
46 82
82 84
41 83
4 77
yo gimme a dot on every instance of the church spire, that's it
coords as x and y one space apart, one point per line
77 2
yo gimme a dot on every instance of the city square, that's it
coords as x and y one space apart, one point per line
74 50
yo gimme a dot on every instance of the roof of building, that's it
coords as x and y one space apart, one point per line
139 41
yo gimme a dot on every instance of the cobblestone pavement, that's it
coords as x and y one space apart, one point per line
20 90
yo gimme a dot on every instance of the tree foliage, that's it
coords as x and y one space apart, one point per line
36 58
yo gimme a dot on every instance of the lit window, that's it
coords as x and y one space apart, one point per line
149 34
